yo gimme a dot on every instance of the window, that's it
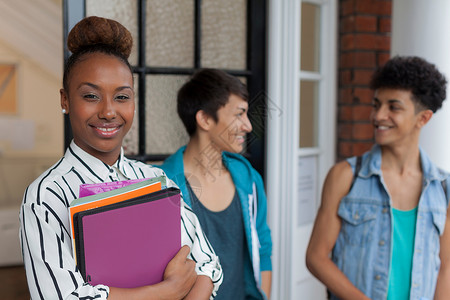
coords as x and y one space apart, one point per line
173 39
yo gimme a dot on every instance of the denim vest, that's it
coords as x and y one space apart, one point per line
363 248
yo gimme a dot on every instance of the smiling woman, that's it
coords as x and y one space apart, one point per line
98 90
100 103
98 96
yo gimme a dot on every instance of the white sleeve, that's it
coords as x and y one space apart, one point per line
47 253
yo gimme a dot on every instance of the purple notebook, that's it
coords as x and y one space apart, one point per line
129 244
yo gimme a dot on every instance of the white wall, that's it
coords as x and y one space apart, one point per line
422 28
31 139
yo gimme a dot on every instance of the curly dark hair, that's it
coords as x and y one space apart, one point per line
414 74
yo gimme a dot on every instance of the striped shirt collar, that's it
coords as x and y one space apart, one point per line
91 166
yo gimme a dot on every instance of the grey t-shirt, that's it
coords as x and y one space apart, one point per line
225 232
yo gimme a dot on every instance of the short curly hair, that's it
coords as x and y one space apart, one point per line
414 74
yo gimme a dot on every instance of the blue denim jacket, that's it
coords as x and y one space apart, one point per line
363 248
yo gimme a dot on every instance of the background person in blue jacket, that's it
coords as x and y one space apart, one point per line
386 223
223 189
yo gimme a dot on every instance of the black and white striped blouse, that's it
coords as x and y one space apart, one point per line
45 230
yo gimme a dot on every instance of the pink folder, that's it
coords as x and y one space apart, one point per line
129 244
96 188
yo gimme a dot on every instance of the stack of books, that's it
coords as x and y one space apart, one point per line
125 233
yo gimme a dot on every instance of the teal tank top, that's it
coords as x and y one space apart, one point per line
404 226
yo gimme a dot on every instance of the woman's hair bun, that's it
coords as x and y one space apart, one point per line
94 30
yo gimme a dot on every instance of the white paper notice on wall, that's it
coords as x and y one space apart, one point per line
18 133
307 189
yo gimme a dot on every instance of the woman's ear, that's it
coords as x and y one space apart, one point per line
204 121
64 101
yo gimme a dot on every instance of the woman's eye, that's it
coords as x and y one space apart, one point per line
123 97
90 97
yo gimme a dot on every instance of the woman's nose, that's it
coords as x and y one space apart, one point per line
108 111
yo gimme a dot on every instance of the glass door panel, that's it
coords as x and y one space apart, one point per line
310 38
224 34
124 12
165 132
170 33
309 99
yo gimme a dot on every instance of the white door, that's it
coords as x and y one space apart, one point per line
301 140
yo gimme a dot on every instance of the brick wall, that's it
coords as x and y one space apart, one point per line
364 44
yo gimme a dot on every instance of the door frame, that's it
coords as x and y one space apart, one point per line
289 238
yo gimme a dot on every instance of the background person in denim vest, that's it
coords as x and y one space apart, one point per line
223 189
388 230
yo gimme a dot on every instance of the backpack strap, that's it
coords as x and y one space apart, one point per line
444 187
357 168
